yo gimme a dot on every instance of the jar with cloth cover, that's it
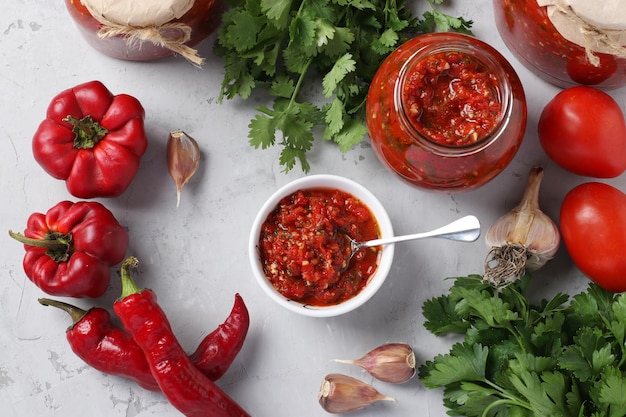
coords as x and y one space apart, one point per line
567 42
146 30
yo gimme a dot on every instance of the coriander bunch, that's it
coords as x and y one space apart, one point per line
518 359
293 50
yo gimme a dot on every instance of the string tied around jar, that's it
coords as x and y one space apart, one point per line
158 35
584 27
154 21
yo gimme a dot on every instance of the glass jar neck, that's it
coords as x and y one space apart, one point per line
416 67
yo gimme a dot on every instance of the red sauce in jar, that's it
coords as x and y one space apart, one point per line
528 32
446 112
303 251
452 98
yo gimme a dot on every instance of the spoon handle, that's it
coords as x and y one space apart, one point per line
465 229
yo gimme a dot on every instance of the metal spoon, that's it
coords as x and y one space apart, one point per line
465 229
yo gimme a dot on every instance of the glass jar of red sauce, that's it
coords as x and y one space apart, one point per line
446 112
528 31
203 18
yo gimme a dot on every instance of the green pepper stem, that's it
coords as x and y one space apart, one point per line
75 312
128 285
50 244
87 132
58 247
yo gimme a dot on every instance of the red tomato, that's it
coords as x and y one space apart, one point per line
582 129
581 71
593 225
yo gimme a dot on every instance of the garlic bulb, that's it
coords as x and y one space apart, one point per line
341 393
523 239
183 159
391 362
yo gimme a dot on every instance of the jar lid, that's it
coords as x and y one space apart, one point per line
137 13
597 26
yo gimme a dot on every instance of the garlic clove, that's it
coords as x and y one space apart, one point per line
523 239
341 394
391 362
183 159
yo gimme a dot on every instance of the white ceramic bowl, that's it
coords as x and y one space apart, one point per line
334 182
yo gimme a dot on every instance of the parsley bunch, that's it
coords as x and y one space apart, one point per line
518 359
285 46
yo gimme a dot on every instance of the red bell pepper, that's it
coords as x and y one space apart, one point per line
70 249
92 139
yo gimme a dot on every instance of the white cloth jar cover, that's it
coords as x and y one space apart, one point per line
596 25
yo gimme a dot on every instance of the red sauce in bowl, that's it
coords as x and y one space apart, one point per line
303 251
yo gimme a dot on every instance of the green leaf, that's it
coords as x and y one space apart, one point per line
612 392
544 391
619 308
262 131
618 325
442 318
296 131
334 117
470 399
575 402
351 134
290 156
361 4
517 302
325 32
342 67
241 32
277 11
500 354
282 86
339 44
387 42
492 310
574 360
546 335
602 358
303 30
464 363
588 357
297 60
395 22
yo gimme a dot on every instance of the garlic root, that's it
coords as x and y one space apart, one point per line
341 394
523 239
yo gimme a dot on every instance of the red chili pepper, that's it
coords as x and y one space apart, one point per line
218 349
70 249
186 388
95 339
98 342
92 139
